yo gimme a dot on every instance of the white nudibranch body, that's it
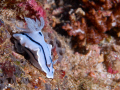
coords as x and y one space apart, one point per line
33 43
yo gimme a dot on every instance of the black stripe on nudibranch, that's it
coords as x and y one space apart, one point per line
40 33
39 45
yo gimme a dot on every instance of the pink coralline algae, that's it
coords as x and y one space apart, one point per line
36 7
7 69
110 70
33 9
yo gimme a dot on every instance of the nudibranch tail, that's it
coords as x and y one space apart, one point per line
50 74
34 44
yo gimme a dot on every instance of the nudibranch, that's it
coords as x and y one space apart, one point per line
32 42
